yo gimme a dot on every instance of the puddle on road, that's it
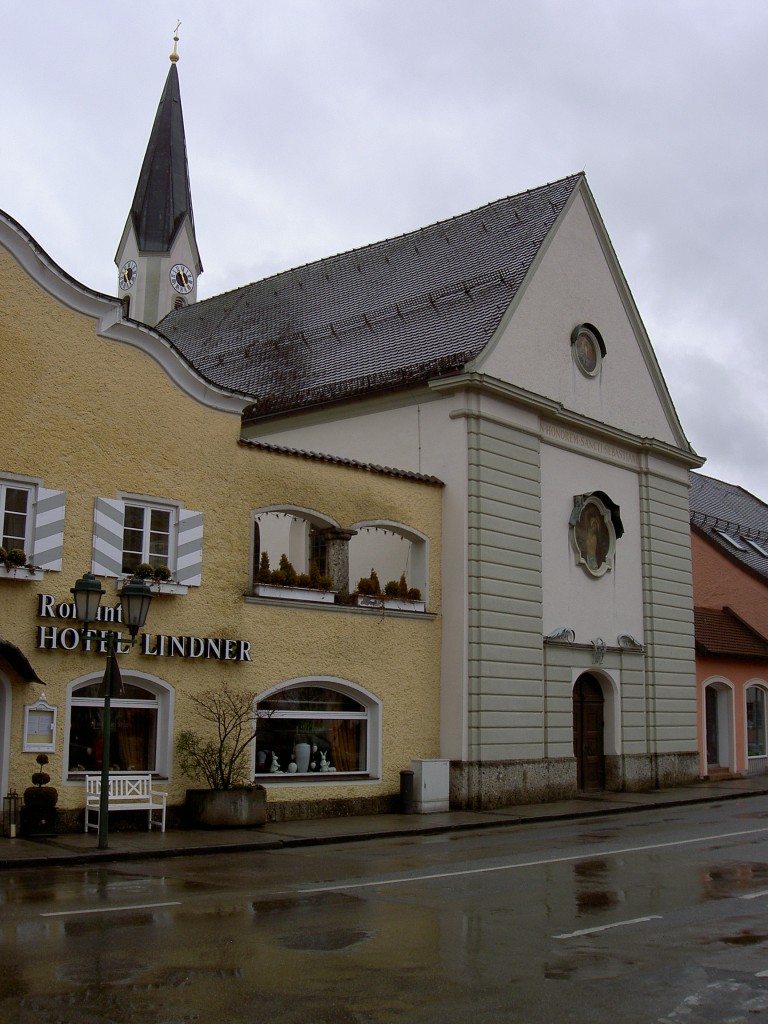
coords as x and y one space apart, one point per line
73 928
304 901
320 936
329 940
589 966
597 837
599 899
590 868
745 938
590 895
724 880
102 971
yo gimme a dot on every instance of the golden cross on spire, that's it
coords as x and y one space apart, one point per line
174 55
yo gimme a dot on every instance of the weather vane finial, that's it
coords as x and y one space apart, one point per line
174 55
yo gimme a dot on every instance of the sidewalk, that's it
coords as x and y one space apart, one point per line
79 848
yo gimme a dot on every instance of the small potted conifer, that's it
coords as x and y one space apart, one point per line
38 816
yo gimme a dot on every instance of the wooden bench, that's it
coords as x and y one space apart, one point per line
128 791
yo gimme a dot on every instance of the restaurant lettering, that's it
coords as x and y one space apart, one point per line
72 638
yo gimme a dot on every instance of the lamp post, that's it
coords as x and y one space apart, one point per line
134 602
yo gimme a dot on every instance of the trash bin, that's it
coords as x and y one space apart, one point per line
406 791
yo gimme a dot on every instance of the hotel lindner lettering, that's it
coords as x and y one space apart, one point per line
70 638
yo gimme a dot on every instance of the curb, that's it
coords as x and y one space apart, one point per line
63 859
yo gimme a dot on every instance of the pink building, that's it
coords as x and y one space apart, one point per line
729 544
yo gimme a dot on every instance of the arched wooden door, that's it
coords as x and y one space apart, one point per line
588 744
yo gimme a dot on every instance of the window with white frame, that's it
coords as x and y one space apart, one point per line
757 741
317 728
140 727
15 512
131 531
146 536
31 521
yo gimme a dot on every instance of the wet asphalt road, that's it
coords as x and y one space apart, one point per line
652 917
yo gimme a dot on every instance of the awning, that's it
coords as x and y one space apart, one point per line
18 661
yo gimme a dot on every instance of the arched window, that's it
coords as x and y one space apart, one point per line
393 550
317 728
140 722
297 533
757 742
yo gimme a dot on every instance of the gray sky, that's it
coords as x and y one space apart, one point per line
314 126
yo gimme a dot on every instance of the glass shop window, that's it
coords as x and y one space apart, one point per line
756 722
311 730
133 729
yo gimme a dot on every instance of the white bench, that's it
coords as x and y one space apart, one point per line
128 791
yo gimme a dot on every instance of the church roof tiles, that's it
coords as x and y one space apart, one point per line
393 313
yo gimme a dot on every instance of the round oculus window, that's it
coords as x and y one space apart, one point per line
587 353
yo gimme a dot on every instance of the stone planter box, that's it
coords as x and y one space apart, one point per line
38 822
294 593
226 808
393 603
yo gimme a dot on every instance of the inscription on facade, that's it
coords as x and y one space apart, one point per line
72 638
590 444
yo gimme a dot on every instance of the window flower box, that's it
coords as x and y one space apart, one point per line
398 604
21 572
157 586
294 593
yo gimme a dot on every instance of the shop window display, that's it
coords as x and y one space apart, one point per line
311 730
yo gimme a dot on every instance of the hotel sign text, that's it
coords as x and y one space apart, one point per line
72 638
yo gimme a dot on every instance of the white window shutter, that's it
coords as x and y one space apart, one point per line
108 518
48 545
189 548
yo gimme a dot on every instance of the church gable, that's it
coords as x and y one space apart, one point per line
606 371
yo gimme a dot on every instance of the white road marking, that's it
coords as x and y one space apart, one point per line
605 927
754 895
110 910
531 863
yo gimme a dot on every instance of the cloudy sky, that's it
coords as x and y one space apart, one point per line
314 126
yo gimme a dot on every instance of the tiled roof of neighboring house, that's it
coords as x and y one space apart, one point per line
734 520
721 633
368 467
394 313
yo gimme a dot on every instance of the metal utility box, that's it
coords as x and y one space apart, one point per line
430 786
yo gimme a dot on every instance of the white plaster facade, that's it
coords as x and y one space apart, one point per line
514 438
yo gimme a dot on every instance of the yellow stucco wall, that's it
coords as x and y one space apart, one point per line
94 418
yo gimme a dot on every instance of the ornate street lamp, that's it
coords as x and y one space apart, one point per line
134 602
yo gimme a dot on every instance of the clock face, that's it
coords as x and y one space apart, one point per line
128 274
182 278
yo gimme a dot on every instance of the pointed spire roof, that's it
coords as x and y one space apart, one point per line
163 195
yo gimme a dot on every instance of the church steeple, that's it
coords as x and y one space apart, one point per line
158 258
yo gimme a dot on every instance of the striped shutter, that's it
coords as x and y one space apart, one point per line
48 546
189 548
108 517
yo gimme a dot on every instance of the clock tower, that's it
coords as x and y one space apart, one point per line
157 258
